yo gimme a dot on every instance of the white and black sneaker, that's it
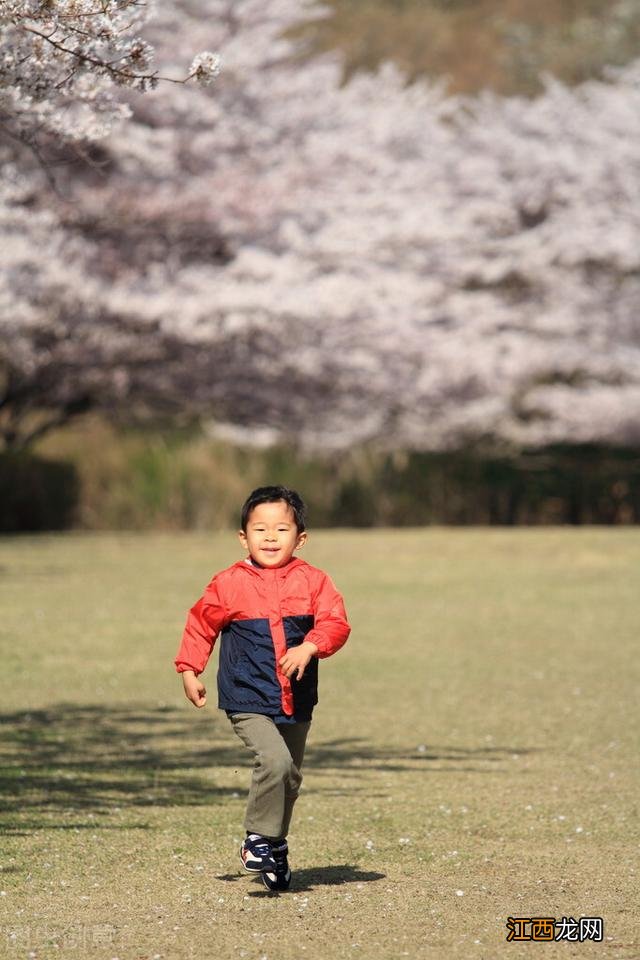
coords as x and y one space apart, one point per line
256 853
280 877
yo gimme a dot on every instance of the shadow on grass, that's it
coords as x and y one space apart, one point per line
68 764
308 879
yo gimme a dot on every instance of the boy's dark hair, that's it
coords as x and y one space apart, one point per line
273 495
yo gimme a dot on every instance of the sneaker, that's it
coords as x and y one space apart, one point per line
280 878
256 854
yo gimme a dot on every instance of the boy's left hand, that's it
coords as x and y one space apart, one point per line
296 659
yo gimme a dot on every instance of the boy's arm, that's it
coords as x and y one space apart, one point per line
204 621
329 633
331 627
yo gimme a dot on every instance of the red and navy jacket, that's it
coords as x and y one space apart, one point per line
260 612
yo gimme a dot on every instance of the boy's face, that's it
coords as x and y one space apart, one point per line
272 536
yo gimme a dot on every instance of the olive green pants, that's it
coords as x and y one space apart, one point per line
278 750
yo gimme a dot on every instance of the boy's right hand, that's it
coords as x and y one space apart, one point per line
194 689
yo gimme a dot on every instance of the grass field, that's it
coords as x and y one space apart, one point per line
473 757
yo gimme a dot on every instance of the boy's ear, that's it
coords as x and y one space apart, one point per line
302 539
243 539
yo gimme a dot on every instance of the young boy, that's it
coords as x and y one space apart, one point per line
277 616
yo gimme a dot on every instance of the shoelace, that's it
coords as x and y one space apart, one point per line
261 847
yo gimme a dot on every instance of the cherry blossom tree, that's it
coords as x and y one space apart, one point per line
61 62
60 67
294 258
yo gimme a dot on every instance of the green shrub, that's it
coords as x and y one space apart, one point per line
36 493
174 479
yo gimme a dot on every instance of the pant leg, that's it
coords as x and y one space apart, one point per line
276 777
295 737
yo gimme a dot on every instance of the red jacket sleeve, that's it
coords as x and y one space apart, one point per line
331 628
204 622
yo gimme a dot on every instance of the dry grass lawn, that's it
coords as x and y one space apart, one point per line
473 757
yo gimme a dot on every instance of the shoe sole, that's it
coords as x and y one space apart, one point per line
276 888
